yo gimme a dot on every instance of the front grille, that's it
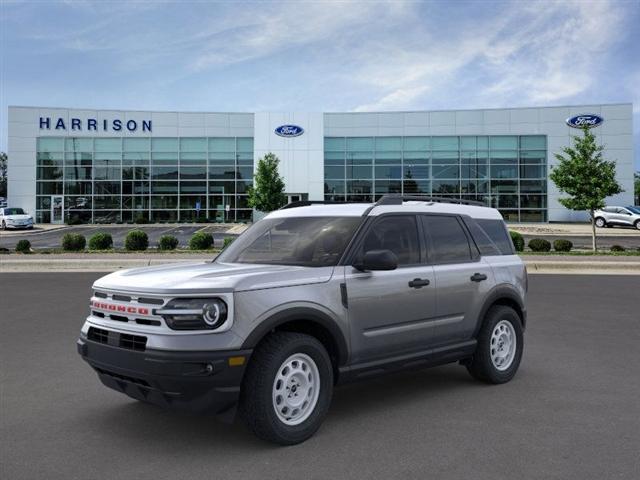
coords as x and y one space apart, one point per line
127 309
116 339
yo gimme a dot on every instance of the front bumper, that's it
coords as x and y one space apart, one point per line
190 381
18 226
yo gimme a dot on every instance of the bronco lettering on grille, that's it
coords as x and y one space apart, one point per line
110 307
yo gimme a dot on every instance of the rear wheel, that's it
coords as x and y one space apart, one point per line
637 224
600 223
287 388
500 346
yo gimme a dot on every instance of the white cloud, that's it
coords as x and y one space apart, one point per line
259 32
530 53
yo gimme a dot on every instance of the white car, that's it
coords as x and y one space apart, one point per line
15 218
621 216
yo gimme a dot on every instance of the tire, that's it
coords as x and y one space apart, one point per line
500 321
637 224
261 390
600 222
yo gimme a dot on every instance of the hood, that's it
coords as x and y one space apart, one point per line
18 217
208 277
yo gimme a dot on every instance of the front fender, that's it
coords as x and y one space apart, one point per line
300 311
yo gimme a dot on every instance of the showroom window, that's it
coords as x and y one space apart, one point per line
157 179
507 172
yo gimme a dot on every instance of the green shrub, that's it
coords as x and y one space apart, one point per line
73 242
101 241
227 241
23 246
617 248
141 220
136 240
167 242
201 241
539 245
518 240
562 245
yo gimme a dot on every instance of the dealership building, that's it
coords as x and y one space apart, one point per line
107 166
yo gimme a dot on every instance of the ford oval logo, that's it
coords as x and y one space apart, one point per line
289 131
587 120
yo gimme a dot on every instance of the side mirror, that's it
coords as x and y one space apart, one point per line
377 260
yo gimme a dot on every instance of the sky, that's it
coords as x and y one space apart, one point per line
318 55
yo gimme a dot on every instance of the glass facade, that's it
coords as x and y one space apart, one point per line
107 180
508 172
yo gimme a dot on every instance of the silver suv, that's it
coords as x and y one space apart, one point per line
311 296
621 216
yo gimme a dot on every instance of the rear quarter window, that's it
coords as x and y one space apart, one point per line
496 230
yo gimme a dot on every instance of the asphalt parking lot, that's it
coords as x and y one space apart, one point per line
53 238
572 412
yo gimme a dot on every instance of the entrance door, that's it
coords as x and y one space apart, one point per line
57 209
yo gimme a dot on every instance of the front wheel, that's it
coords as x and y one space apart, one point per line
287 388
637 224
600 223
500 346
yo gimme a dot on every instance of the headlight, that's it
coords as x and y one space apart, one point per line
194 313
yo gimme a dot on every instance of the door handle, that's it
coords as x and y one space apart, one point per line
419 283
478 277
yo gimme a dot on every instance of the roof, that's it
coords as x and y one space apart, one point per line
358 209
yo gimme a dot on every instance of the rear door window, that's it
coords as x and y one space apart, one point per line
448 240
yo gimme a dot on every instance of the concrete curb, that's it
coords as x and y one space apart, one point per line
583 267
87 265
31 265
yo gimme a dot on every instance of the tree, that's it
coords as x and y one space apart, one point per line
267 193
585 177
636 187
3 174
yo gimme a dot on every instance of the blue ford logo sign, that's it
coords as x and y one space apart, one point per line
289 131
587 120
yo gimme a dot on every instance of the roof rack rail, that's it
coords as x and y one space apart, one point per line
399 199
306 203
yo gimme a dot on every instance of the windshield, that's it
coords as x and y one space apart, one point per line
635 210
13 211
303 241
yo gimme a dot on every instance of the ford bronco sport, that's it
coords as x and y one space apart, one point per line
311 296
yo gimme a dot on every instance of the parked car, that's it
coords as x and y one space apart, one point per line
618 216
3 202
15 218
311 296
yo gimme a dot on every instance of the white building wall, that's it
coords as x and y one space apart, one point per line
301 158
